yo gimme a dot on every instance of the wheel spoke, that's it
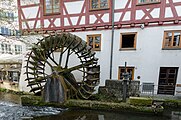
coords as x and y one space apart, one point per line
53 60
61 54
67 59
53 55
76 67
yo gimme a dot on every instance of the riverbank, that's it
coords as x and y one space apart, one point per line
29 100
11 111
134 104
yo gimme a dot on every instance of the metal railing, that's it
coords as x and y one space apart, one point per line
152 89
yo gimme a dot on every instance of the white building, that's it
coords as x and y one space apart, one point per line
147 35
11 49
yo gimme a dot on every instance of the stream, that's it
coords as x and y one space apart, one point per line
11 109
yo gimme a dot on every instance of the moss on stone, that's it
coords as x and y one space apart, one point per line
105 98
172 103
30 100
111 106
3 90
13 92
140 101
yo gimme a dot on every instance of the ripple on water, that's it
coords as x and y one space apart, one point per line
3 103
11 111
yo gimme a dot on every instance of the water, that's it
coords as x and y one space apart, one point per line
10 109
97 115
53 90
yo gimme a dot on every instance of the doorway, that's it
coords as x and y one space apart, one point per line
167 80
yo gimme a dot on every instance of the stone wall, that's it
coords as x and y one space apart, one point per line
114 88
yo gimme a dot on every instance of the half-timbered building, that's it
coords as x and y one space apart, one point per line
144 33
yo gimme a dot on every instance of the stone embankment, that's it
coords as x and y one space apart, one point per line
145 105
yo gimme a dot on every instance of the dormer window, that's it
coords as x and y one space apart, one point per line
51 7
99 4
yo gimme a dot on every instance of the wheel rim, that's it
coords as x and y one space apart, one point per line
43 55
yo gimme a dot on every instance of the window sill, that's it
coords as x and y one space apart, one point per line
49 14
139 4
171 48
98 9
96 50
127 49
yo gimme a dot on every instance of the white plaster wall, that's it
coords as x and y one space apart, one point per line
22 83
29 40
104 54
120 4
77 4
30 12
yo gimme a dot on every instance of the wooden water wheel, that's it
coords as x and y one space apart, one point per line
55 54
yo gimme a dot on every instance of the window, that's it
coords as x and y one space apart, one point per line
94 41
172 39
128 41
99 4
6 48
9 49
130 70
51 6
147 1
18 49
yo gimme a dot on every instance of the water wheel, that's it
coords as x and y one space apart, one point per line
55 56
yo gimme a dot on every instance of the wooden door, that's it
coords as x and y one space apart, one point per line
167 80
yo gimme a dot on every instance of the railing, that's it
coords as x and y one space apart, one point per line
152 89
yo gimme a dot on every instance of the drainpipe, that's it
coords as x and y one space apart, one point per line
112 39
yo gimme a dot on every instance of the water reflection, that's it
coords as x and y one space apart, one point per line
97 115
176 115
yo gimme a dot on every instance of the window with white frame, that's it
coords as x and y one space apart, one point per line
6 48
18 49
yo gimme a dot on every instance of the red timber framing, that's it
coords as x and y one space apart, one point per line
147 18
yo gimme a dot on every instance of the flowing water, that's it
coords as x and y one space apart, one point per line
10 109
